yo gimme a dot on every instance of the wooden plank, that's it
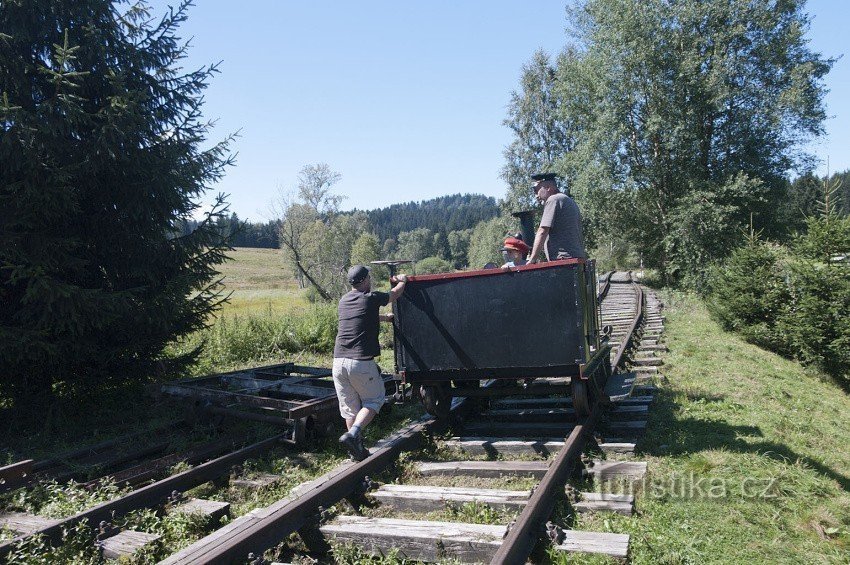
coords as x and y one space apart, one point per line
648 361
126 543
619 386
24 523
642 399
615 545
505 446
617 447
601 496
628 426
544 447
484 468
418 539
528 415
608 470
420 498
625 412
248 382
557 402
214 510
604 502
519 429
305 391
644 389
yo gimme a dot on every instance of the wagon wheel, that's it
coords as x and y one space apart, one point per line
437 399
581 397
304 430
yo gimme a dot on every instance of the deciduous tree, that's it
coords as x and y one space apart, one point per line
659 100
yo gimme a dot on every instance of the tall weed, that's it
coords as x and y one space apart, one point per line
261 336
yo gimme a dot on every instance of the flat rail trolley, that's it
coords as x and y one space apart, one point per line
454 330
297 396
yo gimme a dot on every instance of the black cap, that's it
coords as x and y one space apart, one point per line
357 273
544 176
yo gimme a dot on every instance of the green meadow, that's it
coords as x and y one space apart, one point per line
258 281
748 455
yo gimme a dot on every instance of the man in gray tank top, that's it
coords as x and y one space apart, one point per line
560 226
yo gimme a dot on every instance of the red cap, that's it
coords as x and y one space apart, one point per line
516 245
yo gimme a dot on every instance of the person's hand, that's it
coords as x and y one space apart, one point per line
400 278
389 317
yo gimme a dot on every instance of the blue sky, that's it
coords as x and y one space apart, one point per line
404 99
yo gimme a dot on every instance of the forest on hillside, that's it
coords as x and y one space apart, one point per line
437 217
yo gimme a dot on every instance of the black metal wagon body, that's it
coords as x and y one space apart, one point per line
538 320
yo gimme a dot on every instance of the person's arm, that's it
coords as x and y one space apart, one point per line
398 289
388 317
539 241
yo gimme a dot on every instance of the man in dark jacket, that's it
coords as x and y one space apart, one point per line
357 379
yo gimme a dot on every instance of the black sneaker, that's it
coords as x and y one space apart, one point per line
354 444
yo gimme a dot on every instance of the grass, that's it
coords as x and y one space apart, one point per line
747 454
747 451
267 320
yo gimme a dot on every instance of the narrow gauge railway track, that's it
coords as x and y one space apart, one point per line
77 463
530 426
212 459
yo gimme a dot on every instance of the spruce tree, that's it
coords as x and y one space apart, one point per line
102 146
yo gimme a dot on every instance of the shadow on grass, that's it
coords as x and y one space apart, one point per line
68 421
671 434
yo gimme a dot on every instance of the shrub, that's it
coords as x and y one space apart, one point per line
799 305
316 330
748 293
817 325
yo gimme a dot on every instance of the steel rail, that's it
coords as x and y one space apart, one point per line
150 495
523 535
626 344
606 284
292 513
23 473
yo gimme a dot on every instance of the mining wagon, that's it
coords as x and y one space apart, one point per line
502 327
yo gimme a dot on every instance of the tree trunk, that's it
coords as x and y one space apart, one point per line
322 292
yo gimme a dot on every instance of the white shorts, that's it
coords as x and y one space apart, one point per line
358 385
